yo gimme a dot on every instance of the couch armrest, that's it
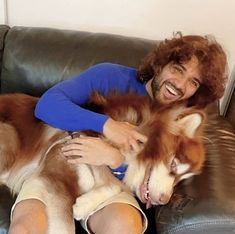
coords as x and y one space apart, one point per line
206 203
230 114
3 31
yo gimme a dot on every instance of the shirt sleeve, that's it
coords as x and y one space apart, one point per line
61 105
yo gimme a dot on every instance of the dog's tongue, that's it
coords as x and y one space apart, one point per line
144 187
148 204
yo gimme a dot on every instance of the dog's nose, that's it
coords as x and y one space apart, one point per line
163 199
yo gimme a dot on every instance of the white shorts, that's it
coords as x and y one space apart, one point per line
122 197
27 192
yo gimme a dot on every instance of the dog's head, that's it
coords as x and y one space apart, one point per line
174 151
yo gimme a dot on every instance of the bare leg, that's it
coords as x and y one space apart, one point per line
116 218
29 217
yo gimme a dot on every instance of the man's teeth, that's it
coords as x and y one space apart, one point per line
171 90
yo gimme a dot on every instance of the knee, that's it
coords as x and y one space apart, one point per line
29 216
16 228
117 218
127 218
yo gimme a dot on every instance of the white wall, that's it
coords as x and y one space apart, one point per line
3 16
154 19
144 18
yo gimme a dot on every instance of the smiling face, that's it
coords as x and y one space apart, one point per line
175 82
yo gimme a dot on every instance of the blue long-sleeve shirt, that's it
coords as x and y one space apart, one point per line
60 106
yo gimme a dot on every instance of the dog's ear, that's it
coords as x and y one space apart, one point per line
96 103
98 99
191 122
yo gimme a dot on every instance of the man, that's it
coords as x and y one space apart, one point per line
189 69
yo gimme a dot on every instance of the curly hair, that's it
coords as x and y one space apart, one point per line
212 64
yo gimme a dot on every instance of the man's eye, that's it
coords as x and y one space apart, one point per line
173 166
177 69
195 83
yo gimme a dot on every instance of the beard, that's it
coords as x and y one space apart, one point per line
157 88
154 86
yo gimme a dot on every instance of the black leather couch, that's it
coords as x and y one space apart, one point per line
34 59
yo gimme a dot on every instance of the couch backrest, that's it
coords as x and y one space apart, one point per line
34 59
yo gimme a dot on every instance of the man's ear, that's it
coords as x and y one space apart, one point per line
190 123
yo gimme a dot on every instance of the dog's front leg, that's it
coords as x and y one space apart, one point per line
88 202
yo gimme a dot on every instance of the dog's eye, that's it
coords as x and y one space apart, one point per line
173 166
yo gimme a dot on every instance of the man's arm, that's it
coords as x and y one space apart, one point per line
61 105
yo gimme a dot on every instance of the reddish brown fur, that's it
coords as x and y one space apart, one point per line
58 172
26 140
190 151
18 112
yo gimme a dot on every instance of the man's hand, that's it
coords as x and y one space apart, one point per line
93 151
124 135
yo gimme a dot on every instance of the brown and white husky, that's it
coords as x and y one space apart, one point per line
32 163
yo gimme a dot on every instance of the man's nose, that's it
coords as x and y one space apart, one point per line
180 83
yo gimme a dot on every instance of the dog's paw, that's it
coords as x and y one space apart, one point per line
82 208
88 202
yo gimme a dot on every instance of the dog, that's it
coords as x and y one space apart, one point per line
32 161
